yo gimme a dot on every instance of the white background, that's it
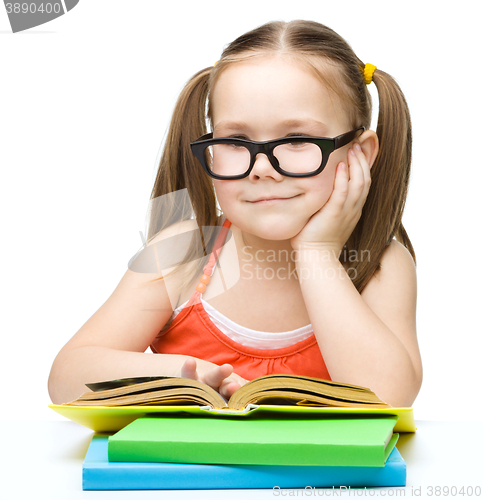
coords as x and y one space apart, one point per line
85 102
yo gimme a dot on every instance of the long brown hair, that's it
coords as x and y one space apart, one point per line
332 60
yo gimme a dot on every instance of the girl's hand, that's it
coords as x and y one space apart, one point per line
332 225
221 378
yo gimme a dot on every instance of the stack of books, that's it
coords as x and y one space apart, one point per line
282 431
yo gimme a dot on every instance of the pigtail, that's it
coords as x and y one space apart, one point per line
381 218
179 169
395 139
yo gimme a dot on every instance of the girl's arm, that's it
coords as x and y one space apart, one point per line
75 367
366 339
112 343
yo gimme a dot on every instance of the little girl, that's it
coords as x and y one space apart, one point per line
311 202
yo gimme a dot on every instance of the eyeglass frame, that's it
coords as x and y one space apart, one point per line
327 146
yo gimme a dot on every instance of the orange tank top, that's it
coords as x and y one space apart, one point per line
192 333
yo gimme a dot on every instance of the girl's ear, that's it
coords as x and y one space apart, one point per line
370 145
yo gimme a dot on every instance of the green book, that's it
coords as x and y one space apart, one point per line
341 441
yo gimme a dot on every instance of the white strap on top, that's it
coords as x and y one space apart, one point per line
248 337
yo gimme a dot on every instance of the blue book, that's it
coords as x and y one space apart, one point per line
100 474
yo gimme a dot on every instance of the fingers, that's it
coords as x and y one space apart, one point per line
188 370
228 388
360 176
341 187
217 375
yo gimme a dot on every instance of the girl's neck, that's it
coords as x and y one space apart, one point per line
265 253
273 254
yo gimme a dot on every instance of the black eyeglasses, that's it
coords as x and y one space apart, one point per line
227 158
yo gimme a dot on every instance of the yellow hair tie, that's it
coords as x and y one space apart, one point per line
215 64
368 72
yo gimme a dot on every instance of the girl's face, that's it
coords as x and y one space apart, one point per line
256 100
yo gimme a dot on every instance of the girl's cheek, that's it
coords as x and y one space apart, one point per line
324 188
222 190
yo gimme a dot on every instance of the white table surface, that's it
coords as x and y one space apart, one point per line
43 460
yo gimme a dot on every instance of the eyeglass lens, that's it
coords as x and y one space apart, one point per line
234 159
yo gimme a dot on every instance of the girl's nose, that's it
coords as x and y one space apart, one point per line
263 168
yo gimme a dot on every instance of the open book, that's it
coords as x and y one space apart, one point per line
278 389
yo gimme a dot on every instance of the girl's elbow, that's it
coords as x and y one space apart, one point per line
53 387
56 383
404 396
415 387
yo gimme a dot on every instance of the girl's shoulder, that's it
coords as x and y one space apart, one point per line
396 267
397 255
181 280
177 228
171 239
392 291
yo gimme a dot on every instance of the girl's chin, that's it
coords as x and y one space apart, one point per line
273 228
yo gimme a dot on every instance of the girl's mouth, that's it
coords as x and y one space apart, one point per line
272 201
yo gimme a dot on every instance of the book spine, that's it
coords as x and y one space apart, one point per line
187 476
246 453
